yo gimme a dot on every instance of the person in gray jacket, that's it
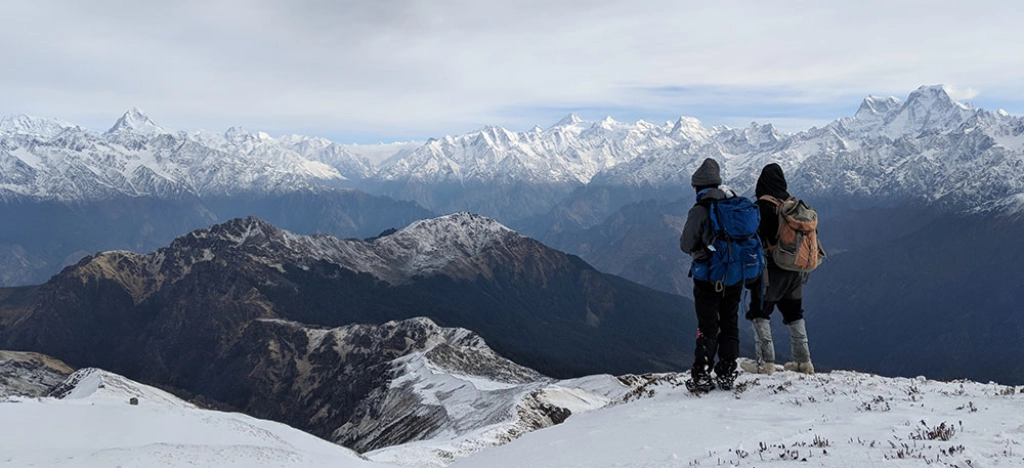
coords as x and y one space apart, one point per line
717 308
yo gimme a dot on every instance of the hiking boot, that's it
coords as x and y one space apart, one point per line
802 367
725 374
700 383
726 380
753 367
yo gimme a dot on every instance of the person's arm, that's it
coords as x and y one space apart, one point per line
691 241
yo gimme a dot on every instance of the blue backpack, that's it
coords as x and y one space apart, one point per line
736 253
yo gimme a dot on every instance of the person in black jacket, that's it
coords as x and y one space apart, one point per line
717 308
780 288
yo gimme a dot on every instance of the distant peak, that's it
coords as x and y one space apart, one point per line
877 106
935 96
467 230
467 220
690 127
432 245
239 231
938 91
570 119
135 121
236 131
247 223
494 130
606 123
686 122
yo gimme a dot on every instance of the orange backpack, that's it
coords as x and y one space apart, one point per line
796 246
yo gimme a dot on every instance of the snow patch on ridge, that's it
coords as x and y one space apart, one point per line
96 384
94 425
487 411
465 232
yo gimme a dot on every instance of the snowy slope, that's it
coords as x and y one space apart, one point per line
94 425
486 409
837 419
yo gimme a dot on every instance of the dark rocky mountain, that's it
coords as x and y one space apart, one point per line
39 237
206 315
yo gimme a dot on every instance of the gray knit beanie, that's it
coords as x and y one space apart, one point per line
707 174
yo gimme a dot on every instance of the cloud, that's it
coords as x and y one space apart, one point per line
415 68
961 94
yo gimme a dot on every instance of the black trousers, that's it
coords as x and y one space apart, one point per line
718 332
784 290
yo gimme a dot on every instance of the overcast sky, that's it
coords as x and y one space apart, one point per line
389 70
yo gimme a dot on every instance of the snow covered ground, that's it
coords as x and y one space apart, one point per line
839 419
94 426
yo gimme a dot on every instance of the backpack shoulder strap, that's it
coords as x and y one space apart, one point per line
710 204
772 200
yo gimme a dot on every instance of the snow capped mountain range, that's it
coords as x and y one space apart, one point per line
137 157
571 151
928 147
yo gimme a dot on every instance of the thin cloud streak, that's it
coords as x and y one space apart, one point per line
411 69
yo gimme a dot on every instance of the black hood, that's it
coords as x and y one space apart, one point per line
772 182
